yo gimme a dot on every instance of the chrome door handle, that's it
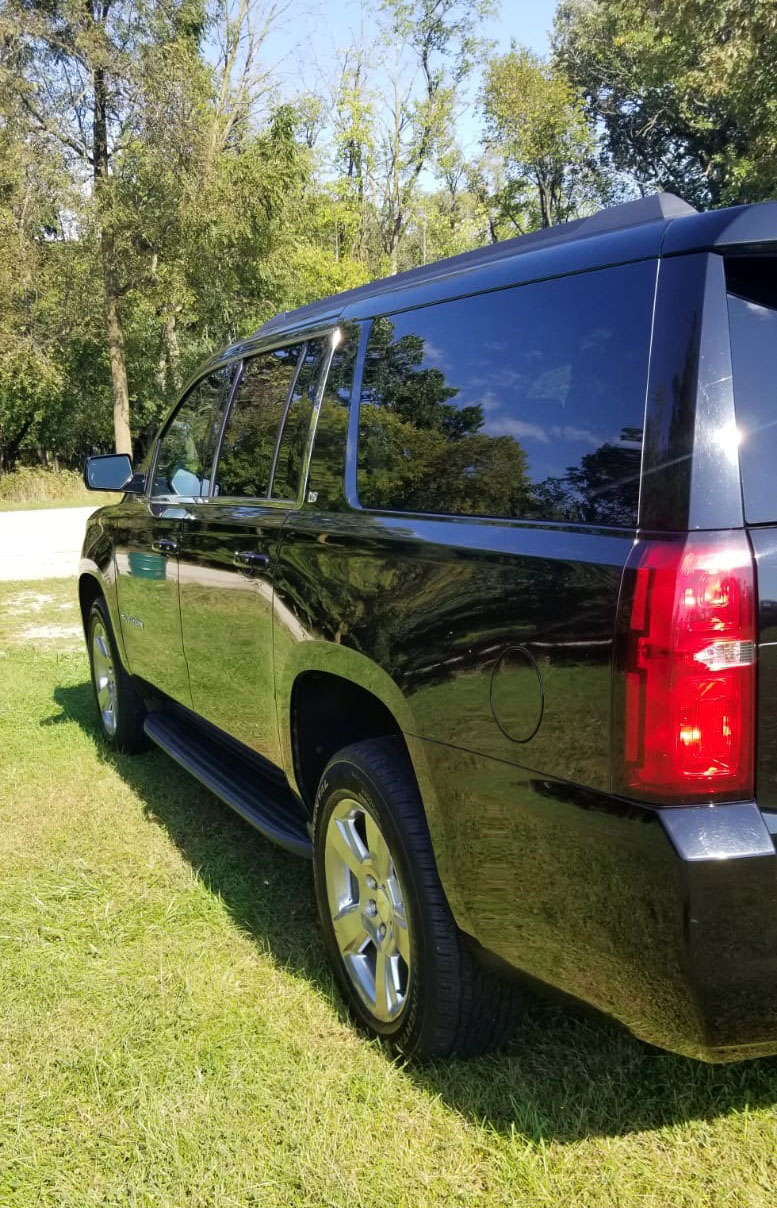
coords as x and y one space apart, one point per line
165 545
249 559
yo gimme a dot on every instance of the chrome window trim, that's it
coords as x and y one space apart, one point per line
267 501
191 386
286 407
335 335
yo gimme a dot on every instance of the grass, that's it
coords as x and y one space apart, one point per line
170 1034
37 487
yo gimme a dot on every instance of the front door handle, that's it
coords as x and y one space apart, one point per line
249 559
165 545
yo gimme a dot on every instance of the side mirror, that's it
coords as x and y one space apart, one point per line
113 472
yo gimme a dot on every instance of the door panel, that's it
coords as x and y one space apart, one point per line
148 536
230 546
146 541
500 636
226 586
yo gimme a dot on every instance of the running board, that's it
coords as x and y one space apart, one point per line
269 806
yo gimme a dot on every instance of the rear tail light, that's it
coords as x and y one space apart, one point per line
688 653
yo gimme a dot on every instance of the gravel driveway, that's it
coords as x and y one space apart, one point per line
42 544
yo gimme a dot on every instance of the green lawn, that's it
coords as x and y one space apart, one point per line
170 1035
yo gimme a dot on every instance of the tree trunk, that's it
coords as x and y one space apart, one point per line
121 424
12 447
170 335
545 203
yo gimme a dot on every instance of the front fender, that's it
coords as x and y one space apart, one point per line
98 563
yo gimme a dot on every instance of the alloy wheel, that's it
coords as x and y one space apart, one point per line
367 907
104 677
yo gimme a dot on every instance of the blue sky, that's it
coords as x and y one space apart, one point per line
526 20
302 51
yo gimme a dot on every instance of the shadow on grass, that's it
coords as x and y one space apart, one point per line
566 1075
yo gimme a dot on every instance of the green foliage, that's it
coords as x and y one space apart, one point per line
540 136
211 206
33 483
684 91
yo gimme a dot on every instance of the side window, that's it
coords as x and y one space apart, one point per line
291 449
327 465
525 402
752 316
185 457
258 406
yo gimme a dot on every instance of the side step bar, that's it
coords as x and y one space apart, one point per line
270 807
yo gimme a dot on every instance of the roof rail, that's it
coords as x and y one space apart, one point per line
655 208
632 213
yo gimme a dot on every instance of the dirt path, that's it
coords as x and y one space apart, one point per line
41 544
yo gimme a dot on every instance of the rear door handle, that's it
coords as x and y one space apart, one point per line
165 545
249 559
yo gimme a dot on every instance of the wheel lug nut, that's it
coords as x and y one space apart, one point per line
382 930
372 883
372 908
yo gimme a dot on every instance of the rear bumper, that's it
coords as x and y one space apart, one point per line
727 868
665 919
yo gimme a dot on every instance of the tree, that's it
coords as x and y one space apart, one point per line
77 70
683 90
47 312
538 133
441 39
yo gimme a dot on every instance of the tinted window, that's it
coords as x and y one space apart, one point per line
327 465
525 402
291 450
252 427
752 310
186 450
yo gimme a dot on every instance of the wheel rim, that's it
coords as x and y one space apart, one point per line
367 908
104 677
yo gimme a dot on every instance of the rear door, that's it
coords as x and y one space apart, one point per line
147 537
230 543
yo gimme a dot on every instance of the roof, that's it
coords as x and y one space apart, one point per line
660 224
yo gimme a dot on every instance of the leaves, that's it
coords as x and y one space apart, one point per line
684 91
213 205
537 129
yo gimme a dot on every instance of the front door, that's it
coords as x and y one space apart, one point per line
148 536
230 544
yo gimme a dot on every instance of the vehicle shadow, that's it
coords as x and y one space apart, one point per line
567 1074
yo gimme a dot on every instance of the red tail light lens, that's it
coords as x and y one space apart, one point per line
690 669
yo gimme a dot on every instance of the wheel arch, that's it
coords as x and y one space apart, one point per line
329 697
92 584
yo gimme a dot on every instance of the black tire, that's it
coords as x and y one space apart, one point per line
126 731
452 1004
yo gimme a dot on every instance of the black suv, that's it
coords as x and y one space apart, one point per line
464 583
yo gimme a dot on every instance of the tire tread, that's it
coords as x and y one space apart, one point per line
130 736
476 1009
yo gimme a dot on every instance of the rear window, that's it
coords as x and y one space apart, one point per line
752 313
525 402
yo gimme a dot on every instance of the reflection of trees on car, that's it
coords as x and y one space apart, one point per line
249 439
602 489
418 451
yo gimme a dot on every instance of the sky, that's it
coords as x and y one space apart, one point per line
303 49
526 20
